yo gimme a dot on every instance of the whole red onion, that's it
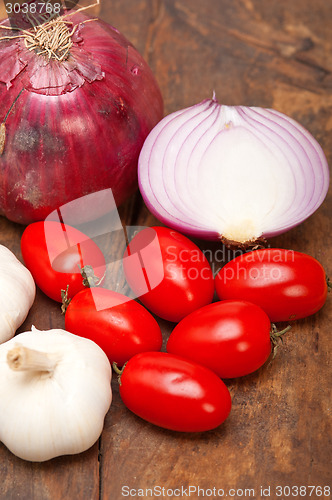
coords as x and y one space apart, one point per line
72 122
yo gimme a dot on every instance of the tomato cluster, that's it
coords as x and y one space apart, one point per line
180 389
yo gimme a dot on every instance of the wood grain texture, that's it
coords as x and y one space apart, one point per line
272 54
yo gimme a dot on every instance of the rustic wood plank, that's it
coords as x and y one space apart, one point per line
55 479
64 477
276 434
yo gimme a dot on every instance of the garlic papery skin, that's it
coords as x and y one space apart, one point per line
17 293
55 390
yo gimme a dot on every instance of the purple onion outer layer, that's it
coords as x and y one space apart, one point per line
77 125
235 173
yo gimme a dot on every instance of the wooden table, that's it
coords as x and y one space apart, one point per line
275 54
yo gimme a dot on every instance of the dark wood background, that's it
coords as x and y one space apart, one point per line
275 54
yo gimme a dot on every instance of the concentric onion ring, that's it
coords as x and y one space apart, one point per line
232 172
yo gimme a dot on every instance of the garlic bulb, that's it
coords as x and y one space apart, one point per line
17 293
54 394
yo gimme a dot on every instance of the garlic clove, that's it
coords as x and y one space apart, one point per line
17 293
8 324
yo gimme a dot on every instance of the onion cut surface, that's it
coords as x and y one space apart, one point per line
235 173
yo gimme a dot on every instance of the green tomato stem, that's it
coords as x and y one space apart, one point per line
118 371
276 338
65 300
329 284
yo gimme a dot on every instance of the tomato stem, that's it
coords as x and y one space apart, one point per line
90 280
65 300
329 284
118 371
276 338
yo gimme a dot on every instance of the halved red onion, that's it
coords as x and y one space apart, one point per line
234 173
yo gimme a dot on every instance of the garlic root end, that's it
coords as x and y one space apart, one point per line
22 358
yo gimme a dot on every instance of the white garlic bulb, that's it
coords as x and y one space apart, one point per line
17 293
54 394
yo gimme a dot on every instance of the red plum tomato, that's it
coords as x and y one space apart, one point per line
230 337
174 393
121 327
288 285
168 272
56 253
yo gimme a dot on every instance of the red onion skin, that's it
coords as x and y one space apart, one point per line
61 147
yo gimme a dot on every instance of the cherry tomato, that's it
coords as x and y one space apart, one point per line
230 337
286 284
121 327
56 253
168 272
174 393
